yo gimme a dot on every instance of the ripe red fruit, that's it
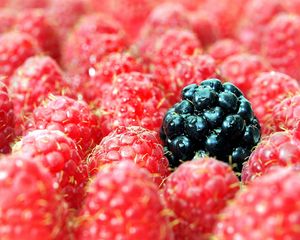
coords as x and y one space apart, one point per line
173 45
94 37
7 20
135 144
257 15
267 90
196 192
192 69
226 15
74 118
27 4
65 14
165 16
105 71
36 24
123 203
59 154
7 120
286 114
15 48
204 26
279 149
267 209
281 44
225 48
133 18
134 100
242 69
31 84
32 206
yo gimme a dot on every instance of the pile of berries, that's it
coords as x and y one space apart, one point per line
149 120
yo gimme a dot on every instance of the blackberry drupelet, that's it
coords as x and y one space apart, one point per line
212 119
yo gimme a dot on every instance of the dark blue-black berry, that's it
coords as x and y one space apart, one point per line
212 119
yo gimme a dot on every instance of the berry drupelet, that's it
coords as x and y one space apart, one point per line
212 119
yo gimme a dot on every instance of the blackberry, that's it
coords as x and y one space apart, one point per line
212 119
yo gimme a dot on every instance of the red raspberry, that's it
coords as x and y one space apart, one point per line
263 97
123 203
225 48
281 44
192 69
225 13
135 100
242 69
268 209
171 47
257 15
74 118
60 156
279 149
7 20
15 48
136 144
204 26
292 6
133 18
285 114
36 24
93 38
27 4
7 120
32 206
166 16
196 192
32 83
65 14
105 70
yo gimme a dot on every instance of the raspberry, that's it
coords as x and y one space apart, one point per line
105 70
286 113
32 83
226 15
192 69
36 24
135 210
279 149
242 69
27 4
170 48
292 6
165 16
282 86
196 192
257 15
7 20
135 144
94 37
204 26
133 18
281 44
134 100
74 118
173 45
214 119
272 202
225 48
32 206
15 48
65 14
7 120
60 156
